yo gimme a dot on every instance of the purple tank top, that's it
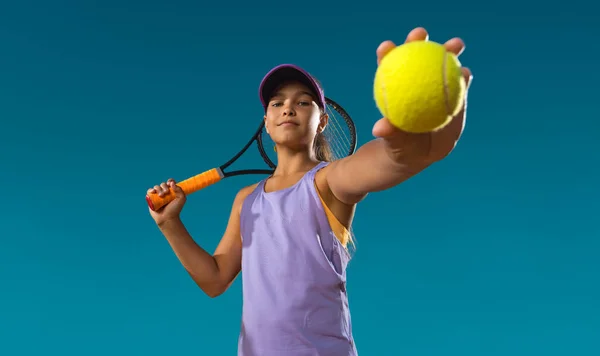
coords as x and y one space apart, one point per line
293 276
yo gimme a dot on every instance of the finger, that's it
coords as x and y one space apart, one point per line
384 48
164 188
151 191
455 45
417 34
161 191
179 193
171 183
467 75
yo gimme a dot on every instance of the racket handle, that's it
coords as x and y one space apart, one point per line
188 186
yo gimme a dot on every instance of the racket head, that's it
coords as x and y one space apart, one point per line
339 135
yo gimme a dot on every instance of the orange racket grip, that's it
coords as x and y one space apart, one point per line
188 186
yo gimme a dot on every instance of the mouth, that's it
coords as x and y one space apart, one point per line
288 123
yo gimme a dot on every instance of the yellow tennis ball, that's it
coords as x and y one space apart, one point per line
419 86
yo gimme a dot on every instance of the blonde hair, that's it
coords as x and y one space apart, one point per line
322 149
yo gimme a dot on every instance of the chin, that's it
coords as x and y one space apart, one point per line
295 143
290 138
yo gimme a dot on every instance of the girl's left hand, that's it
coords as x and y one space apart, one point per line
427 147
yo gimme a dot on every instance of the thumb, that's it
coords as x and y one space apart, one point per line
383 128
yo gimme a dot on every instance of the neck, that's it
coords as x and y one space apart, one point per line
292 162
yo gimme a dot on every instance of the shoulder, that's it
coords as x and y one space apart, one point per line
241 196
245 191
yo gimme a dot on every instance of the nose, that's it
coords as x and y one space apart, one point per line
289 111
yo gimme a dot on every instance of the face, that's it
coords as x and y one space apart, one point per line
293 118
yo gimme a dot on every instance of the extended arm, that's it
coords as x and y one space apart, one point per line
395 155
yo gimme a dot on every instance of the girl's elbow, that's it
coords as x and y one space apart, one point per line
214 290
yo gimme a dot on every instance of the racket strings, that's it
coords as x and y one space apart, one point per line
338 135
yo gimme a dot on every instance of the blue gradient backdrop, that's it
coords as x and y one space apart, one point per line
492 252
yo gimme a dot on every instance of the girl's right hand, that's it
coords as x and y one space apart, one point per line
172 209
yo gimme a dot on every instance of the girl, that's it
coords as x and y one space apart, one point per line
289 232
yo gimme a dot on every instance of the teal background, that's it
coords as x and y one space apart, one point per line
493 251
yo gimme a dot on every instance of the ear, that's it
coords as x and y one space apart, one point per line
323 123
266 126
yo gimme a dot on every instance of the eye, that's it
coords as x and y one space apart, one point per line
276 104
304 103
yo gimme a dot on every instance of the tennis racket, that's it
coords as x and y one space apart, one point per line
340 134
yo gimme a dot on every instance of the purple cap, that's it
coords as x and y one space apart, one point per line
287 72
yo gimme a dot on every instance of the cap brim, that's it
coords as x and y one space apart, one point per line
288 72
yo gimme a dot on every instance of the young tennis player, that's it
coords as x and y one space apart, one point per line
289 233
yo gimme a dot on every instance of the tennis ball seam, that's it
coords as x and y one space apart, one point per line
445 84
